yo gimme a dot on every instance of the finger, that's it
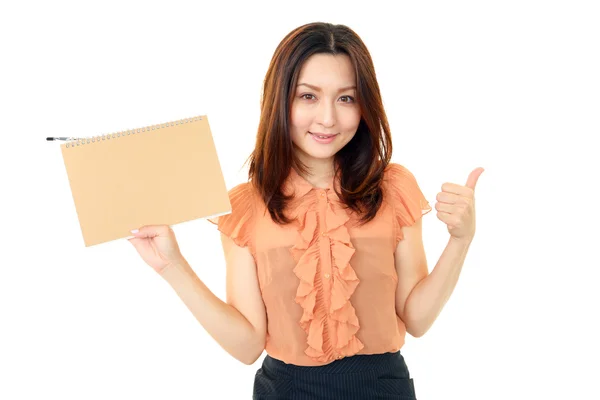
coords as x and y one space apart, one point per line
442 216
449 198
143 233
150 231
447 208
457 189
446 218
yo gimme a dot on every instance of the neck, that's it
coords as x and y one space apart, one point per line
320 171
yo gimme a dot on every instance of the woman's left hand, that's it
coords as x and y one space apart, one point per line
456 207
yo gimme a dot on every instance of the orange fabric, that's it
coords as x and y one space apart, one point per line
328 284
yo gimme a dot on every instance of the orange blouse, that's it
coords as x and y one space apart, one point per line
328 285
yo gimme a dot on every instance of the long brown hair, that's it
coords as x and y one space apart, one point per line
360 164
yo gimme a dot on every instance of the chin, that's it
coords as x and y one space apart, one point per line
320 152
321 156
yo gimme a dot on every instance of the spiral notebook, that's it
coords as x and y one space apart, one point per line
161 174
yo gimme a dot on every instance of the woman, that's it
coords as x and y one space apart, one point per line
323 245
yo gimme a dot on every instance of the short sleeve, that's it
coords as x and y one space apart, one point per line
238 225
405 197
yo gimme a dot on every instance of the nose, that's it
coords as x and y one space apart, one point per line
326 114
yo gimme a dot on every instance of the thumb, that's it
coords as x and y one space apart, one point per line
474 177
151 231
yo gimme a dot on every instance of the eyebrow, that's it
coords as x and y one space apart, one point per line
318 88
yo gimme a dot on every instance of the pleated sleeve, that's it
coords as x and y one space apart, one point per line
239 224
405 197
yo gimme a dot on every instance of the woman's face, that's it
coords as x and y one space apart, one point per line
324 115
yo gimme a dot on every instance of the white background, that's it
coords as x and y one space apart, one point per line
510 86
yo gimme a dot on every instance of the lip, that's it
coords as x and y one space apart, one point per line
325 135
326 139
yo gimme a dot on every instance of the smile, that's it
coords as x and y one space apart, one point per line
323 136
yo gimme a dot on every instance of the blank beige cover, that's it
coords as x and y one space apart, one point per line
160 174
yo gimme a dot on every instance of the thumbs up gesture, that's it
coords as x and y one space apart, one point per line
456 207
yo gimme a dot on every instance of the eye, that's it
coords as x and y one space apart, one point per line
307 94
350 99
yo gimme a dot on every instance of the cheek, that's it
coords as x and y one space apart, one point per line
299 125
348 138
299 114
351 122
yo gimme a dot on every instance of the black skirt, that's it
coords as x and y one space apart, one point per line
360 377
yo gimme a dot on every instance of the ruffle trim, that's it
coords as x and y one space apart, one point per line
343 322
237 225
405 197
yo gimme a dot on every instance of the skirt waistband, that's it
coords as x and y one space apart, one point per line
390 365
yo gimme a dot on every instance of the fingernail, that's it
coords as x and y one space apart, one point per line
135 231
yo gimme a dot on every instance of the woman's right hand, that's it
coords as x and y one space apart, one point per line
157 246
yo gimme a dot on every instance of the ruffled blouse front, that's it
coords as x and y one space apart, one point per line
323 248
328 284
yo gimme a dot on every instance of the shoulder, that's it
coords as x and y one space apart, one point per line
242 190
403 193
245 198
238 224
243 194
395 170
395 176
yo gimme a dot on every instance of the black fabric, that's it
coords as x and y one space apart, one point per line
360 377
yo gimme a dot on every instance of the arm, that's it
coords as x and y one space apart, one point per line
420 296
239 326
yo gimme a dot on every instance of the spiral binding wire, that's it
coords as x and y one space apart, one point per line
93 139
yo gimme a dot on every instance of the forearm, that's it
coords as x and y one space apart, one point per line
430 295
234 333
